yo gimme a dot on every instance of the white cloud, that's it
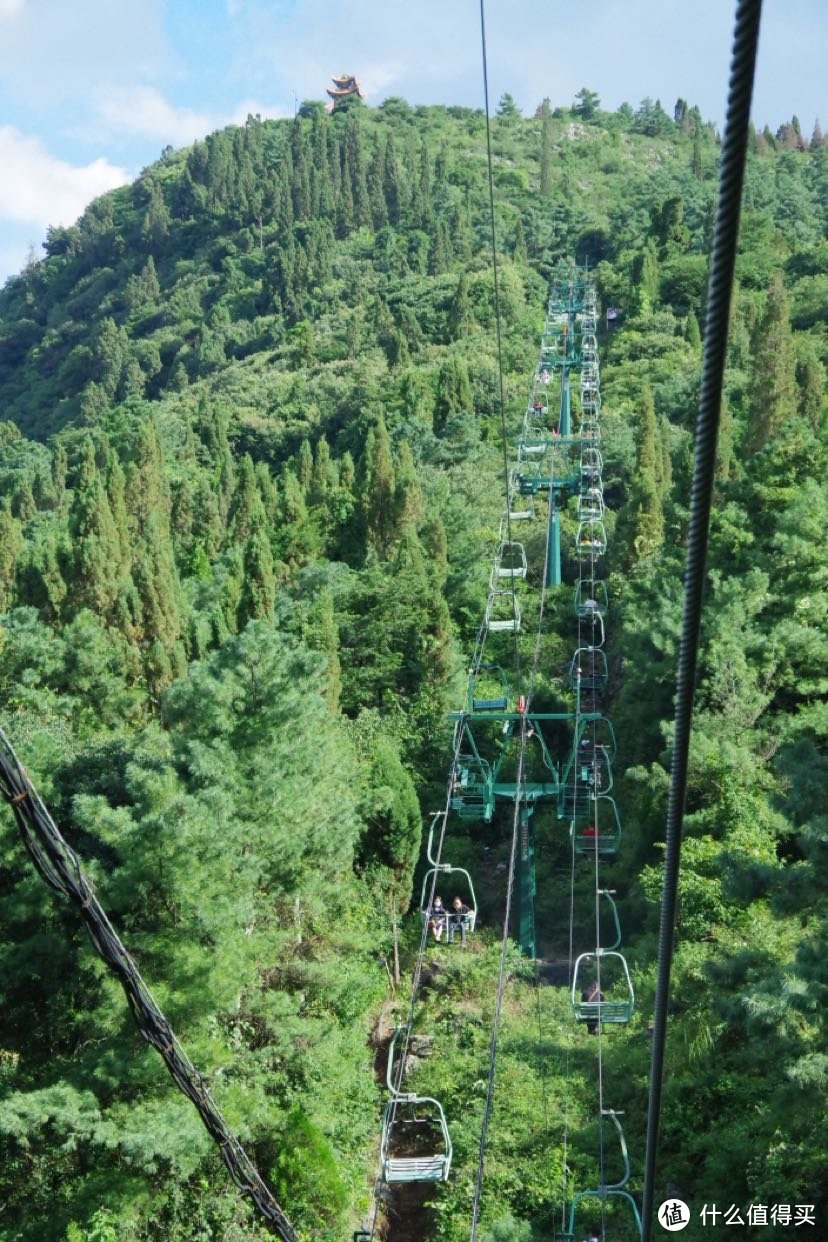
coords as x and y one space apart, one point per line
143 111
10 8
38 189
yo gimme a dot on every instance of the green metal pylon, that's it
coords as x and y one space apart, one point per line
553 560
565 420
526 884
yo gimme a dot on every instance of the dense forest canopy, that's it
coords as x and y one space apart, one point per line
250 480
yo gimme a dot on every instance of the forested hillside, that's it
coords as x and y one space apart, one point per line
250 480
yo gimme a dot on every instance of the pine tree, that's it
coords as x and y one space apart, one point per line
817 139
772 391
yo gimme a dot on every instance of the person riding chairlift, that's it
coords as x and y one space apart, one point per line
437 918
592 995
458 920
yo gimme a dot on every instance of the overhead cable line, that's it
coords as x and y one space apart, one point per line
60 867
720 287
496 283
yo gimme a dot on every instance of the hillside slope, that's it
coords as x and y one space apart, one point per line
250 478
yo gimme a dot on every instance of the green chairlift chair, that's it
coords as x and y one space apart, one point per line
591 504
446 869
488 689
472 796
612 1010
591 599
602 833
588 670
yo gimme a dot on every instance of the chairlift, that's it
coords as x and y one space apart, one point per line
601 833
591 539
603 1194
597 731
528 478
613 1009
586 777
445 869
502 612
592 463
510 561
588 669
415 1145
472 795
488 689
591 504
520 508
591 599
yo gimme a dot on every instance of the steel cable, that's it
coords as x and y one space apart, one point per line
720 287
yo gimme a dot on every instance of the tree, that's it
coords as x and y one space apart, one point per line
454 393
378 489
643 513
460 318
772 393
586 104
507 109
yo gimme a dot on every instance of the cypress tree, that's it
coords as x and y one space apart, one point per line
460 317
259 590
454 393
810 383
322 634
95 542
409 502
696 162
772 391
247 511
391 182
11 544
379 208
60 469
644 515
378 489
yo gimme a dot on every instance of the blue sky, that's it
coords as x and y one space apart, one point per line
91 90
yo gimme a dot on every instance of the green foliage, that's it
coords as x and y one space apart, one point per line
249 465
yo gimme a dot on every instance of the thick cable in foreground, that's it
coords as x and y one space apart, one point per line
743 64
60 868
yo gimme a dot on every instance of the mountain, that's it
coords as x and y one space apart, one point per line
250 482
